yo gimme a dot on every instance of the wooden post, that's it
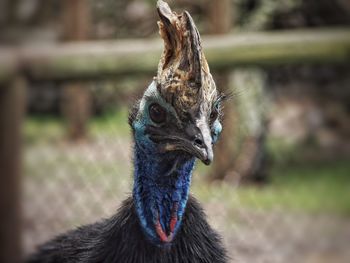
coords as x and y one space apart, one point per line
221 16
12 101
250 160
77 100
238 154
11 7
221 20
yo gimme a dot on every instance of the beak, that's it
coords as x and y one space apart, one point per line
196 140
201 143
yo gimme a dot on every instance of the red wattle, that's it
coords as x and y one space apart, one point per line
173 221
163 237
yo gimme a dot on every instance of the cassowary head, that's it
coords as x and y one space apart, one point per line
176 121
179 112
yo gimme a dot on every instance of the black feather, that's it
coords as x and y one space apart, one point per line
133 112
119 239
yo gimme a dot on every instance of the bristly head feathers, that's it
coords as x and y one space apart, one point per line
180 110
184 78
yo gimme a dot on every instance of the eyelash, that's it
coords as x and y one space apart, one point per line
217 106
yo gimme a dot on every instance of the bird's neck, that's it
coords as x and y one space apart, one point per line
161 188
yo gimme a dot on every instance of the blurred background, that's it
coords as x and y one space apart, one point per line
279 188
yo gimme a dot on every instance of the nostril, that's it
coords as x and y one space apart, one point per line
198 142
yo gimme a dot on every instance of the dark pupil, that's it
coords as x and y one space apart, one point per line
157 113
213 115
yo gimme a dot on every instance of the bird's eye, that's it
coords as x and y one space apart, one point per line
213 115
157 113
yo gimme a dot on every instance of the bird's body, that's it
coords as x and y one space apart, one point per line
175 122
120 239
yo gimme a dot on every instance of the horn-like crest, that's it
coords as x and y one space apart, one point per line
182 70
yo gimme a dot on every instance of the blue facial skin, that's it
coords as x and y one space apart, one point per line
216 130
160 179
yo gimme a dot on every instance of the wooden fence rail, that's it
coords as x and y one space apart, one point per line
101 59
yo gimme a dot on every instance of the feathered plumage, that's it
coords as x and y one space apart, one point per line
120 239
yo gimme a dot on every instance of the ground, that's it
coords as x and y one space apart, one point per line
301 215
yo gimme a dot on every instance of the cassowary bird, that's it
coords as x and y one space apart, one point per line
175 122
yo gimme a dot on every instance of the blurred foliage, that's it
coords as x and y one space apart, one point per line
136 18
45 128
258 15
126 19
271 14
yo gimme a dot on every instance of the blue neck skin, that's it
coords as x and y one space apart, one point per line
161 188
